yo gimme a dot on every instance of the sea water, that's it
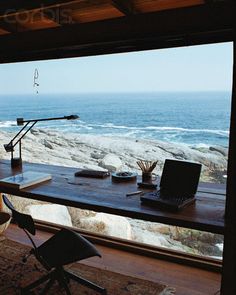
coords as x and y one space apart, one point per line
195 118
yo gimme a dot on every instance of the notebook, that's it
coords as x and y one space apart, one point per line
178 186
25 179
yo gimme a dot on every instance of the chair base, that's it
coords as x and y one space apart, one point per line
62 277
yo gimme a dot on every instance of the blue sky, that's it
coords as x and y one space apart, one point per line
195 68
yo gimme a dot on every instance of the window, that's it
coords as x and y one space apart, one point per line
149 105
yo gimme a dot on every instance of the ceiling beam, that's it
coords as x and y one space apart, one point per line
11 27
11 7
124 6
59 16
164 29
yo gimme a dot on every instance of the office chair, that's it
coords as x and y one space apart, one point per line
65 247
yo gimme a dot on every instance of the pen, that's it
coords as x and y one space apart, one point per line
133 193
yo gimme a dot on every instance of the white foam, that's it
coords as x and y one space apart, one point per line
158 128
200 145
111 125
7 124
166 133
162 128
167 128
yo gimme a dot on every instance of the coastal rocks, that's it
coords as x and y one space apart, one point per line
126 228
5 219
97 155
218 176
76 215
22 204
156 239
57 214
219 149
115 153
34 131
107 224
156 234
111 162
47 144
203 243
92 167
152 233
176 238
153 227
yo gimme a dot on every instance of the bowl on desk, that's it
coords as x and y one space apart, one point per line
124 176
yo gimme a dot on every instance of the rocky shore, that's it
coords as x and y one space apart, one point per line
120 154
114 153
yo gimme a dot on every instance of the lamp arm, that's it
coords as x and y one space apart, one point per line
71 117
24 133
21 121
18 134
17 162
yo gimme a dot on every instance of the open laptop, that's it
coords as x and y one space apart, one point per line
178 186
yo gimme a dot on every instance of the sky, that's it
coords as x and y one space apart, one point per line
193 68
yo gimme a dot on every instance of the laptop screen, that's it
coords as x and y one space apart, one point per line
180 177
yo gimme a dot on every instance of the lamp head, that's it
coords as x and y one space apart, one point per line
20 121
71 117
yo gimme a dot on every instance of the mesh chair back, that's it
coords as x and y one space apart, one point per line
24 221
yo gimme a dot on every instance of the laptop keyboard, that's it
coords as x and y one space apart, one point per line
167 201
178 200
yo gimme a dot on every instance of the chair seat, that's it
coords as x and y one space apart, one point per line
65 247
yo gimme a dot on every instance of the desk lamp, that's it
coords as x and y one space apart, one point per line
9 147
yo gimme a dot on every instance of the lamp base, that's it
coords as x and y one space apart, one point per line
16 162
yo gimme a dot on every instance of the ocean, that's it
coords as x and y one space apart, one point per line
194 118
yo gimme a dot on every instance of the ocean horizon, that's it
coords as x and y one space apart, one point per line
194 118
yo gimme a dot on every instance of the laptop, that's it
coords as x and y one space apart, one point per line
178 186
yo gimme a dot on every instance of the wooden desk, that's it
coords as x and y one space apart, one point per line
102 195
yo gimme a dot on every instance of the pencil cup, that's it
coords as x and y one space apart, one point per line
148 177
147 167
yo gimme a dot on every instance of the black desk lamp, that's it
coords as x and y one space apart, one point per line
9 147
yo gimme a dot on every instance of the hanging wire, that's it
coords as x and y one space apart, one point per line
36 76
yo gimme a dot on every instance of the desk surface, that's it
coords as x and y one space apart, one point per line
102 195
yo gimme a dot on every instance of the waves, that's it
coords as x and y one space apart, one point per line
83 125
7 124
164 128
190 118
165 133
158 129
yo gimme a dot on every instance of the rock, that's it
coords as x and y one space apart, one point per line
220 246
47 144
219 149
114 153
107 224
218 176
111 162
76 215
51 213
34 131
93 167
96 155
155 239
